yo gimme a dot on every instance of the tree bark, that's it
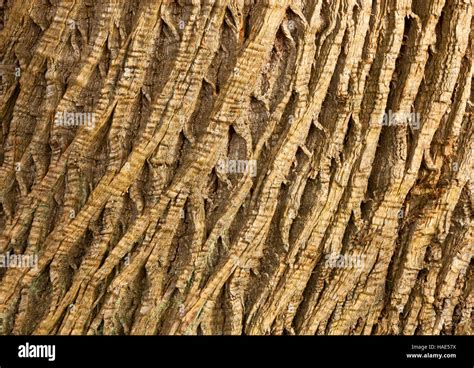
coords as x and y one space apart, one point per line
237 167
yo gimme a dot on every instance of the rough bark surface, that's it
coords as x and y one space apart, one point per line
155 219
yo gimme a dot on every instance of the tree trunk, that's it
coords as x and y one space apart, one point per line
236 167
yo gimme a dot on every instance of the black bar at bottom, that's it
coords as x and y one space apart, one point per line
293 351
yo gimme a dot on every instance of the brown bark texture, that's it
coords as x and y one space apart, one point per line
236 167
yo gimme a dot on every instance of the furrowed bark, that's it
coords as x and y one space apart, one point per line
251 167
